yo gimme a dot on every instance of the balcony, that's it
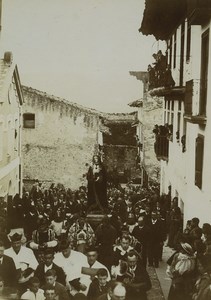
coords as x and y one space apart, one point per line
163 134
161 82
193 101
198 11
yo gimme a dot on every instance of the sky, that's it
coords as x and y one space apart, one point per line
80 50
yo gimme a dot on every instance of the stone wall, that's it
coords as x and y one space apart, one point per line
152 114
63 141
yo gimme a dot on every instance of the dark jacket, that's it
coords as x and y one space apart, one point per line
140 285
95 291
40 273
103 297
8 271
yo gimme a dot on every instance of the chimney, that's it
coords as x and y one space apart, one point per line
8 57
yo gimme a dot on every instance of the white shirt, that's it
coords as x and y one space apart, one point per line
47 268
71 265
29 295
86 279
24 256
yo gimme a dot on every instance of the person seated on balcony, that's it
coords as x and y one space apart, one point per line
168 79
151 72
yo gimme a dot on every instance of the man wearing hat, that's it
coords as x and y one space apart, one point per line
182 272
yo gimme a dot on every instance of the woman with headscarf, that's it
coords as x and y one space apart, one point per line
182 272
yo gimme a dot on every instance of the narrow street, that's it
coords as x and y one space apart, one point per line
105 126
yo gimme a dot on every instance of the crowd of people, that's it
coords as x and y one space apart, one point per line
51 249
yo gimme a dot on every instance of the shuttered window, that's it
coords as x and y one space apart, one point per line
199 160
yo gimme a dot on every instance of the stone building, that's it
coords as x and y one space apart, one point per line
11 100
149 113
183 143
60 138
120 147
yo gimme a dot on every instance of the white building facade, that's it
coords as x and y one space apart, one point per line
11 100
187 110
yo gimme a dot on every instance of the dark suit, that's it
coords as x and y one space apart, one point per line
95 291
137 290
8 271
142 235
156 240
40 273
103 297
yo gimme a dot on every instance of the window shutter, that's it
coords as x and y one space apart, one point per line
199 160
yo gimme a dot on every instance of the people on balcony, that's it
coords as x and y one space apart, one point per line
160 75
163 134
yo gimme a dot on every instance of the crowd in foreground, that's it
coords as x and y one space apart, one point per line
51 249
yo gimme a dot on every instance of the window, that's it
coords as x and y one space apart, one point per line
9 139
182 53
204 72
29 120
1 141
170 53
188 43
199 160
175 49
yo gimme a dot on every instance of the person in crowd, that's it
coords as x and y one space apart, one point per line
60 290
133 241
116 290
140 283
141 232
57 224
50 292
131 222
48 264
99 285
202 286
43 237
90 269
71 262
120 251
156 239
182 273
81 234
174 222
33 292
7 268
105 235
30 221
120 208
24 259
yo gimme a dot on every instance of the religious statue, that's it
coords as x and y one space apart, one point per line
97 186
